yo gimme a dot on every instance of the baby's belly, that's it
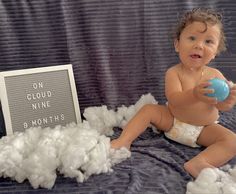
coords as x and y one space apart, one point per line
199 114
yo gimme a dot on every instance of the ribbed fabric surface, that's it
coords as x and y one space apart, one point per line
119 49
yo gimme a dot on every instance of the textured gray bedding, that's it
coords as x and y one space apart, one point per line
119 50
155 166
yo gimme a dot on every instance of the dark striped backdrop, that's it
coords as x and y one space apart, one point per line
119 49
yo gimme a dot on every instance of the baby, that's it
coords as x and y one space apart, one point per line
190 116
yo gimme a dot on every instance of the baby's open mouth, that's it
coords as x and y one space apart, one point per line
195 56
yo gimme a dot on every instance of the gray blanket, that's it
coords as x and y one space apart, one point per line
155 166
119 50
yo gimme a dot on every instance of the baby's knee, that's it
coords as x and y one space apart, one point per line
230 140
189 167
148 108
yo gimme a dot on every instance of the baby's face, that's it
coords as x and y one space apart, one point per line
198 44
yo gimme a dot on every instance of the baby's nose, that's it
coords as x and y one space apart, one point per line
198 45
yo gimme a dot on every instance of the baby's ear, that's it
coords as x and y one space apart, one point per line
176 45
213 57
216 54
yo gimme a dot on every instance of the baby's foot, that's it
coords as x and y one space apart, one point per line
195 166
117 144
119 155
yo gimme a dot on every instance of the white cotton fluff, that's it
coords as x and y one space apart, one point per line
13 148
105 120
213 180
77 151
118 155
11 157
126 113
102 119
41 164
232 172
86 154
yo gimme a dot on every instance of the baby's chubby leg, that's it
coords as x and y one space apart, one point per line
221 147
158 115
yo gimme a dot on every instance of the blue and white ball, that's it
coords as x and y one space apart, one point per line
221 89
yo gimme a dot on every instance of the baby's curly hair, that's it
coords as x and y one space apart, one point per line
205 15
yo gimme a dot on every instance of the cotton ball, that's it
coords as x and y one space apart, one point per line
233 172
229 188
121 112
41 164
206 176
86 126
119 155
47 143
206 183
98 158
40 170
126 113
32 136
86 138
15 169
11 157
61 142
145 99
193 188
101 119
69 133
14 149
225 177
213 180
104 120
71 160
92 115
226 167
111 119
76 150
10 162
82 142
18 142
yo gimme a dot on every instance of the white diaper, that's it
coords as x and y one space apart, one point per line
184 133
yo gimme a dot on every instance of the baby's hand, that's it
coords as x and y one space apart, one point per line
200 92
231 99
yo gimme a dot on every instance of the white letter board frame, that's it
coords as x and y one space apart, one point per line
37 71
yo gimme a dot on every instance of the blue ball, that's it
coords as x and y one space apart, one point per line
221 89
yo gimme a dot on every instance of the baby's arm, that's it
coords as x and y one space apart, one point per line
231 100
173 90
177 97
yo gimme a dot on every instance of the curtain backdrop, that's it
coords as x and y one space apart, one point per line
119 49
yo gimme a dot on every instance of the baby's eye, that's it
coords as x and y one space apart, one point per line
209 41
191 38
